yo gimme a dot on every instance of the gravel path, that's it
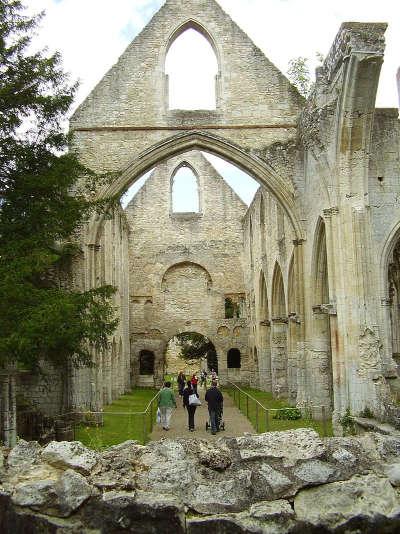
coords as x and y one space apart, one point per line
236 424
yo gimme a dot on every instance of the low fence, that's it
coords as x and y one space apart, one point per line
96 430
272 419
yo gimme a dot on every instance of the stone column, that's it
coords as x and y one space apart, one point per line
279 357
9 408
264 356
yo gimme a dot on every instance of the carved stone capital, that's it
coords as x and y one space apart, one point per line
279 320
265 323
298 242
93 246
294 318
329 212
325 309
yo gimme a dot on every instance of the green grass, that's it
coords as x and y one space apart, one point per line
267 400
119 421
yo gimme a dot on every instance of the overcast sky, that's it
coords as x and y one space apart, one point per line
92 34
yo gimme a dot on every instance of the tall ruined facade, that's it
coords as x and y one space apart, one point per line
314 260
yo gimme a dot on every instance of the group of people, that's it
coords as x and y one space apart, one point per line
188 392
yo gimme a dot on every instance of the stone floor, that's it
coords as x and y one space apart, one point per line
236 424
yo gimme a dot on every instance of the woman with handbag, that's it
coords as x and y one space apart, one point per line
190 402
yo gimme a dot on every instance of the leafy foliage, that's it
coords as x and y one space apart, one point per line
196 346
348 424
39 317
299 75
289 414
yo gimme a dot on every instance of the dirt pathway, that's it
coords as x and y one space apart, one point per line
235 423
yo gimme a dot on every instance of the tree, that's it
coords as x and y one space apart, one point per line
196 346
41 318
299 75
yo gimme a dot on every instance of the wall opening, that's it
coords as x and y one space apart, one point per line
185 191
146 362
190 352
191 67
235 306
234 359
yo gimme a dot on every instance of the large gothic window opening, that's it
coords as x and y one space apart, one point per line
191 67
185 191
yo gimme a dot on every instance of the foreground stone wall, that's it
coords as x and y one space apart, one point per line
280 482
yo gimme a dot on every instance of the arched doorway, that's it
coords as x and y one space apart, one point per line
190 352
146 362
234 359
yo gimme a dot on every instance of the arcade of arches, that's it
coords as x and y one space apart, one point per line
299 292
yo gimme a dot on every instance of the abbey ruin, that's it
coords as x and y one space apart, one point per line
311 267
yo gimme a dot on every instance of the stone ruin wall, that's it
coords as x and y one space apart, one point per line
182 265
321 153
268 245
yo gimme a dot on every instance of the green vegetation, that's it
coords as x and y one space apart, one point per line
120 421
40 318
348 424
275 422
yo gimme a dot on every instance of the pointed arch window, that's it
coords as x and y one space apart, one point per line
185 196
191 67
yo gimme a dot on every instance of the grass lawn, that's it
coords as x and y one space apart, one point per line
119 421
265 398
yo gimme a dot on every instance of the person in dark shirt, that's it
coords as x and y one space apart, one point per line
191 409
215 401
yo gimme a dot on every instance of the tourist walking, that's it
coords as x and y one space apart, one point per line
166 403
194 380
181 380
191 408
215 400
203 378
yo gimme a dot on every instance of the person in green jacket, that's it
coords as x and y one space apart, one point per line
166 403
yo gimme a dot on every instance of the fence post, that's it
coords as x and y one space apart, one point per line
324 427
247 406
151 416
144 428
239 399
266 420
257 418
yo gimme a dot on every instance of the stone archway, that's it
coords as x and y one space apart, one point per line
259 169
